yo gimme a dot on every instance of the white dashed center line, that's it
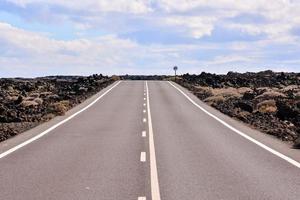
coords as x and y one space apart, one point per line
155 192
141 198
144 119
144 111
144 134
143 156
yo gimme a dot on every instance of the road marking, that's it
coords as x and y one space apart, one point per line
143 156
141 198
284 157
144 133
144 111
144 104
144 99
145 94
55 126
144 119
155 193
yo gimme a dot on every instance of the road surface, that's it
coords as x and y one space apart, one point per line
146 140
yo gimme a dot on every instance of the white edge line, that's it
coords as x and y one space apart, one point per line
284 157
54 126
155 193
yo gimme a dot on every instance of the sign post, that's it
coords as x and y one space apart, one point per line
175 68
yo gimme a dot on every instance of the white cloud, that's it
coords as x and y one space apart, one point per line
106 54
196 27
39 50
281 16
131 6
112 19
197 18
228 59
230 5
109 54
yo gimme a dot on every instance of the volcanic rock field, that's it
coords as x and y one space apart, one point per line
268 101
265 100
25 103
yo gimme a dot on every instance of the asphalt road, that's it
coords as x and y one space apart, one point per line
146 141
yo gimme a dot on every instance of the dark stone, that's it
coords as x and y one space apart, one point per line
297 143
19 100
285 111
3 119
248 96
246 106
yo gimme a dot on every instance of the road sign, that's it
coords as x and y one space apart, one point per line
175 69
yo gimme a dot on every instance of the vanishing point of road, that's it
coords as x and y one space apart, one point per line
143 140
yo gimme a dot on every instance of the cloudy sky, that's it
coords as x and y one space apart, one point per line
47 37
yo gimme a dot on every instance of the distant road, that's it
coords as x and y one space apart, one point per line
146 140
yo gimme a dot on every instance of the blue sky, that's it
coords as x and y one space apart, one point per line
47 37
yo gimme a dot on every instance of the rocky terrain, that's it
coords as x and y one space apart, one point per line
266 100
25 103
144 77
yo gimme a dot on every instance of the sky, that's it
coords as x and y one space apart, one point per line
76 37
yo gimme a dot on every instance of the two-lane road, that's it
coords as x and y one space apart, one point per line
146 140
